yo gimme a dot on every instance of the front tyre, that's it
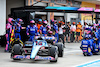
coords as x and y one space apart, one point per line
16 50
54 53
60 49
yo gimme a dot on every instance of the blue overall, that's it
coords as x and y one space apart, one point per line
91 43
99 38
44 30
98 41
95 48
32 30
56 29
8 32
17 33
85 45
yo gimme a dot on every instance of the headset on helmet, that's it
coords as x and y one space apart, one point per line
10 20
45 22
19 20
50 32
32 21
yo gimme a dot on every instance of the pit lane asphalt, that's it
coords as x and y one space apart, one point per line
72 57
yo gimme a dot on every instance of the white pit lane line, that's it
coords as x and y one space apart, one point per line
72 51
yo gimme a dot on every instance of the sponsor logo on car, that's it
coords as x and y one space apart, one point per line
44 58
22 57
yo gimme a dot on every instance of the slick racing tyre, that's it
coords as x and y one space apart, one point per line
60 49
16 50
54 53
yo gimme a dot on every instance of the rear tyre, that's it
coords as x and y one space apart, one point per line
54 53
60 49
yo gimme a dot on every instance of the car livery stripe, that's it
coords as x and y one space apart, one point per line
35 50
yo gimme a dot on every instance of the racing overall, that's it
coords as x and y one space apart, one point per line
86 47
56 29
43 30
8 32
12 33
51 37
91 43
17 32
12 36
31 30
99 38
95 48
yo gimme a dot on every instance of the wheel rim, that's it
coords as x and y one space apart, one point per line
56 55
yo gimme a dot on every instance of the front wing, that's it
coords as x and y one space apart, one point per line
36 58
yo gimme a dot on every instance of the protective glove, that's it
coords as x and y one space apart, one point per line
28 34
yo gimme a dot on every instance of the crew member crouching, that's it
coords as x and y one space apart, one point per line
86 47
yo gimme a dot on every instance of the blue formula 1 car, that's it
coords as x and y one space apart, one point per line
40 49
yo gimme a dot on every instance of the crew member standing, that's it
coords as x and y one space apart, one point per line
72 31
78 32
31 30
43 28
18 28
39 24
60 32
68 31
55 26
8 32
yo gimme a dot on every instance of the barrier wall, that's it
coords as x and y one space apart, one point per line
2 17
